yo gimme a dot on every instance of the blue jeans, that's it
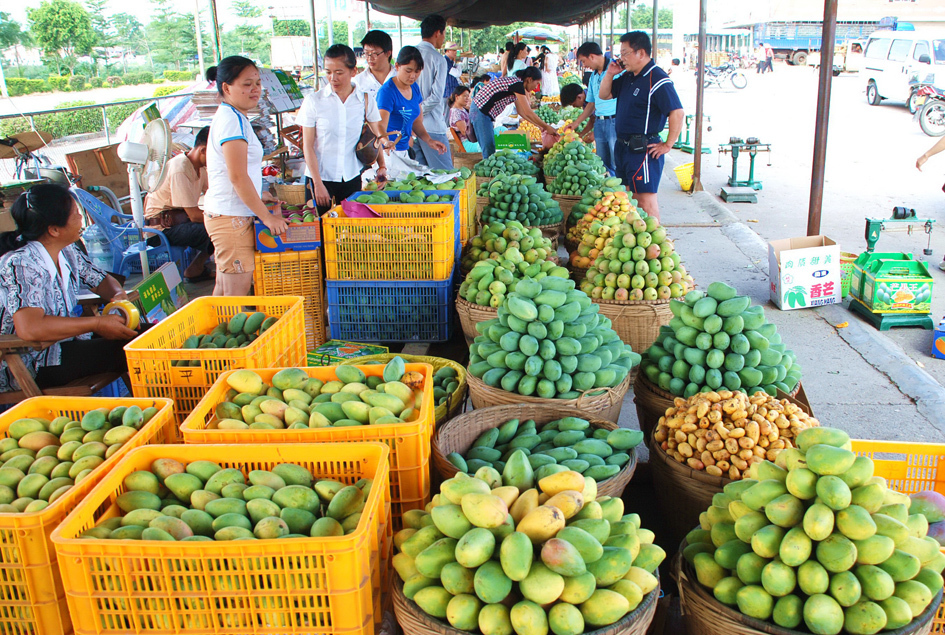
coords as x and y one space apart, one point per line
485 130
430 157
605 136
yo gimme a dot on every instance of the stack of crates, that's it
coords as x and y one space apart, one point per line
293 265
390 279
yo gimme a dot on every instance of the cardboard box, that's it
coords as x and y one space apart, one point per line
804 272
298 237
334 352
892 283
513 140
938 341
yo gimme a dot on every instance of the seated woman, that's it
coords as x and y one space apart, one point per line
459 118
40 272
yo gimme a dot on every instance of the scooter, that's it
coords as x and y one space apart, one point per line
718 75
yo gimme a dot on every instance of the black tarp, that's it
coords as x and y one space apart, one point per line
476 14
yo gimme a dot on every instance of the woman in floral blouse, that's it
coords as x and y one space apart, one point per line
40 272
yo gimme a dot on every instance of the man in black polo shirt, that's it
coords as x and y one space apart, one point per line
646 98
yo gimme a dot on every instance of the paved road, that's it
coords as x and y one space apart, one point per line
870 169
48 101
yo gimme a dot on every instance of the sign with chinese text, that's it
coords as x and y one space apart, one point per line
892 283
804 272
162 293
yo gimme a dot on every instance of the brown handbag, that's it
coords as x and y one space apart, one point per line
369 144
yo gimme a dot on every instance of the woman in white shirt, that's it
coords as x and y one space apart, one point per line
331 121
235 196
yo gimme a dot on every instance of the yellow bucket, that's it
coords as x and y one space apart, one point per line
684 174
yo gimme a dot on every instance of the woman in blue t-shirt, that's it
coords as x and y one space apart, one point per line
399 102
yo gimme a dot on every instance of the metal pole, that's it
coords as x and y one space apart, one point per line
200 62
601 18
108 139
700 94
823 113
3 82
400 32
217 47
367 15
628 16
314 31
331 23
656 47
611 38
351 24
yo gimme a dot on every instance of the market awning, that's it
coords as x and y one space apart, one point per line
476 14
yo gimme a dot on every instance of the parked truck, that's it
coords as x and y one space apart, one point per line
793 41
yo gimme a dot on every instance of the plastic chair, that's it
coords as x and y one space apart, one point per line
124 242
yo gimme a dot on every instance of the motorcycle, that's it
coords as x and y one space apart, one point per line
719 75
929 109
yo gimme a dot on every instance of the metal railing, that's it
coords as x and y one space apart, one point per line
56 150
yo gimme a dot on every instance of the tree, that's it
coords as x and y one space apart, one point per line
245 9
104 37
63 30
170 36
11 36
129 35
641 18
491 38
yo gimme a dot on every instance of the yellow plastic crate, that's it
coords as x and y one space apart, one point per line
150 354
330 586
32 598
296 273
409 442
408 242
467 211
909 468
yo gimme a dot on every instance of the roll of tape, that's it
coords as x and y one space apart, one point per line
127 310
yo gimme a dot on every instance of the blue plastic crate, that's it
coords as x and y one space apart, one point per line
115 390
382 311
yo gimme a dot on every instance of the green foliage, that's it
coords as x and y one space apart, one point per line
298 28
491 38
142 77
62 124
78 83
179 76
641 18
161 91
114 80
10 32
57 82
22 86
62 29
96 82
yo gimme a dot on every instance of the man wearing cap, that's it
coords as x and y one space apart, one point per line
452 80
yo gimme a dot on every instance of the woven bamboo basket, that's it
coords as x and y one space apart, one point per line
481 203
577 274
464 159
551 232
651 402
414 621
566 202
444 412
570 245
472 314
606 405
483 179
460 433
681 492
548 179
705 615
637 323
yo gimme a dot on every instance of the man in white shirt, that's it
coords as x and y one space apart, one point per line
331 121
378 50
432 84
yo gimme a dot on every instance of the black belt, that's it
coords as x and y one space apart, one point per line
637 143
607 117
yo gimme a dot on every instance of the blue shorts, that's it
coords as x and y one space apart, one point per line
639 172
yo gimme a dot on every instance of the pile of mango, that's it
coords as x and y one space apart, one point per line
445 382
415 182
525 556
571 113
490 280
296 401
40 460
506 161
522 198
510 241
815 538
202 501
549 341
240 331
548 114
592 207
572 183
718 341
412 197
575 158
637 262
516 449
296 214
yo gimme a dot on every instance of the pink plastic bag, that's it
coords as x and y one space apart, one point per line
353 209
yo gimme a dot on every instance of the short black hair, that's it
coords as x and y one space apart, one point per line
229 69
410 54
587 49
211 74
380 39
431 24
202 137
570 93
342 52
637 40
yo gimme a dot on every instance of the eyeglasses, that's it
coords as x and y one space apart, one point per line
372 56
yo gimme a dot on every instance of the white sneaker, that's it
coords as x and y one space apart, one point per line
941 265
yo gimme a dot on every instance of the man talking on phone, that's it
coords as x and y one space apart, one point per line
646 99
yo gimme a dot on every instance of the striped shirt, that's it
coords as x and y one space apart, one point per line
495 96
28 279
644 101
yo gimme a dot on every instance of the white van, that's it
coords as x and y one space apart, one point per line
891 58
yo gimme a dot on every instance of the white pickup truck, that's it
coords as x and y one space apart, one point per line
847 58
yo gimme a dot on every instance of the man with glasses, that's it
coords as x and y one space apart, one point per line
646 99
378 49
